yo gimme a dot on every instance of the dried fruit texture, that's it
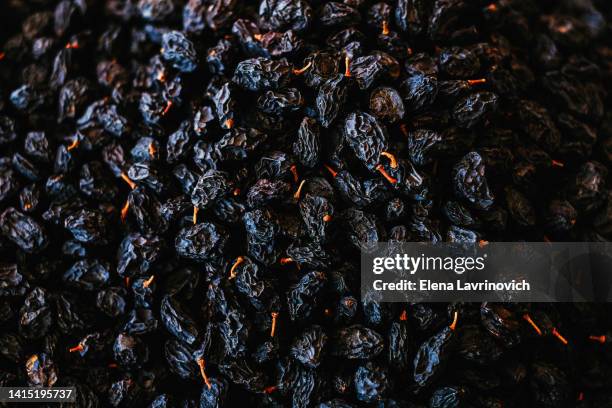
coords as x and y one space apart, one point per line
186 187
357 342
470 182
211 186
330 99
283 15
448 397
419 91
369 69
258 74
472 109
366 137
200 242
501 323
386 104
22 230
431 357
371 382
179 51
308 347
549 384
307 146
41 371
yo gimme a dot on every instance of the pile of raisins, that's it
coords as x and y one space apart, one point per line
186 186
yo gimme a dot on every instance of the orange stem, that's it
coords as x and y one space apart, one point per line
600 339
556 163
302 70
78 348
331 171
73 145
202 364
559 336
476 81
532 323
285 261
167 108
239 261
385 28
453 325
299 190
127 180
327 218
347 69
392 159
32 360
195 215
273 329
386 175
148 282
124 210
293 169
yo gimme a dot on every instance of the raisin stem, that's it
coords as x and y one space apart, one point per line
148 282
385 28
195 214
532 323
601 339
453 325
73 145
124 210
236 264
299 190
302 70
127 180
559 336
202 364
273 329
